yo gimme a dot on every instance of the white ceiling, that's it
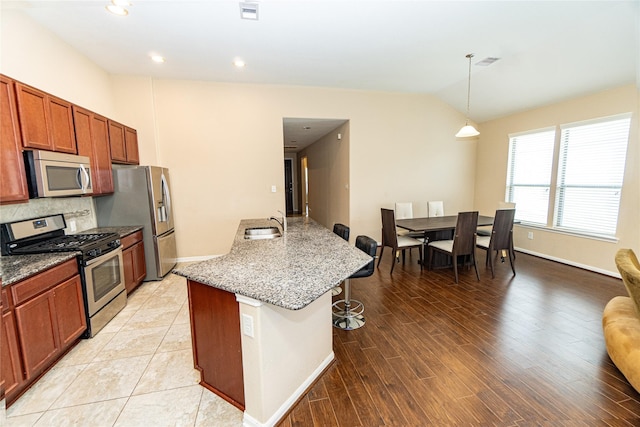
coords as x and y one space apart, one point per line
549 50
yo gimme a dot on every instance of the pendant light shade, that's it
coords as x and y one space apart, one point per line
468 130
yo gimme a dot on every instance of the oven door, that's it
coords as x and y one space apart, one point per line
104 280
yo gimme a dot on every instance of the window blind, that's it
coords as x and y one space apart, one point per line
590 174
529 175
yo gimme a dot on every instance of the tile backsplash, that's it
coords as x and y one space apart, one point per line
78 210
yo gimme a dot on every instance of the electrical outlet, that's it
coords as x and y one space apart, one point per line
530 235
247 325
273 188
72 225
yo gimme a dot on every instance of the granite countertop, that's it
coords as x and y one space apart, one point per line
15 268
291 271
121 230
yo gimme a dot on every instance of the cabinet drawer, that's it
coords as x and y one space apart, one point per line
131 239
39 283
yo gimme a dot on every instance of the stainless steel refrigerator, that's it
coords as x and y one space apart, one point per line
142 196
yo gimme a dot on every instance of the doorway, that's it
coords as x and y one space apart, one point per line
288 185
305 185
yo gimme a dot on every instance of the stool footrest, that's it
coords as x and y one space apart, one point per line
348 317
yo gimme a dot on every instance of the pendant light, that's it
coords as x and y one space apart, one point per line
468 130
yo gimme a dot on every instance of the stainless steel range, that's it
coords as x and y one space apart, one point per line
99 258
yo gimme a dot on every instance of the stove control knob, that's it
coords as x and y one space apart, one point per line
114 244
95 252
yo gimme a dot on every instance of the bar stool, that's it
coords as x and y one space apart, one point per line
342 231
347 312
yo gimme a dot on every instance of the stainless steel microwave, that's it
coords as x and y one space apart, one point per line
51 174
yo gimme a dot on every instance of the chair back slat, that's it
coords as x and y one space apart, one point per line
341 230
464 240
502 229
369 246
389 234
404 210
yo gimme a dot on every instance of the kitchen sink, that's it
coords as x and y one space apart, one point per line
257 233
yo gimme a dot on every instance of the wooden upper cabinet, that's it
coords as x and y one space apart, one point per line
32 106
116 141
13 181
62 133
46 121
92 135
124 144
131 144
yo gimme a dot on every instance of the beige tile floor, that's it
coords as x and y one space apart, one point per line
137 371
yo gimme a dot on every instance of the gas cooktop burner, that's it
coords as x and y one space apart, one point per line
72 242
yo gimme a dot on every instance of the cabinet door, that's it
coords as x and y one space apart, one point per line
13 180
11 366
129 279
39 340
131 144
63 138
69 308
92 137
139 265
34 118
117 142
102 154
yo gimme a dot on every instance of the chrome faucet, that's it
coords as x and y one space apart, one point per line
282 222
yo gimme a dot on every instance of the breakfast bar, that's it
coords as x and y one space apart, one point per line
261 315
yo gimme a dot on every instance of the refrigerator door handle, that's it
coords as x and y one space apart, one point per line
166 197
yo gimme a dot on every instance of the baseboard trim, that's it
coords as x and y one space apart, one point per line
571 263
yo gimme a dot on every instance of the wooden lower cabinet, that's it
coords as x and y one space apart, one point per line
217 344
49 318
135 268
12 373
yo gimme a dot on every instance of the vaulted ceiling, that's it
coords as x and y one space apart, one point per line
549 50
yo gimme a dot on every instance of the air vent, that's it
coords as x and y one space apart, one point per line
290 147
249 11
487 61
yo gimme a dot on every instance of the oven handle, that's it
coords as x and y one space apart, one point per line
104 256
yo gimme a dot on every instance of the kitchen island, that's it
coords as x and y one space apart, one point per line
264 310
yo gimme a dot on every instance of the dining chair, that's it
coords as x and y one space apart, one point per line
462 244
436 208
391 239
486 230
421 209
501 239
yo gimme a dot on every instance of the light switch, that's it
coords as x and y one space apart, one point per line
273 188
247 325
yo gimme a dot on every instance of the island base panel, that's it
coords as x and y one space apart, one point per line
217 346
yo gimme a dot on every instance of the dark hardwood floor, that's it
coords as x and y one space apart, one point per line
510 351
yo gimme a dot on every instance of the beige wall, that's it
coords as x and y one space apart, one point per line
328 166
38 58
492 170
223 144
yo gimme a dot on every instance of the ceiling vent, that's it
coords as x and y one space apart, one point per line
249 11
487 61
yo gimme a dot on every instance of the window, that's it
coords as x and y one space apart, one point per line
529 174
590 173
590 163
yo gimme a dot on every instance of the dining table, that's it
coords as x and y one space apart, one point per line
437 228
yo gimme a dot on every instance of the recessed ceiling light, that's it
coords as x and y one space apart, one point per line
249 11
117 10
157 58
239 63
